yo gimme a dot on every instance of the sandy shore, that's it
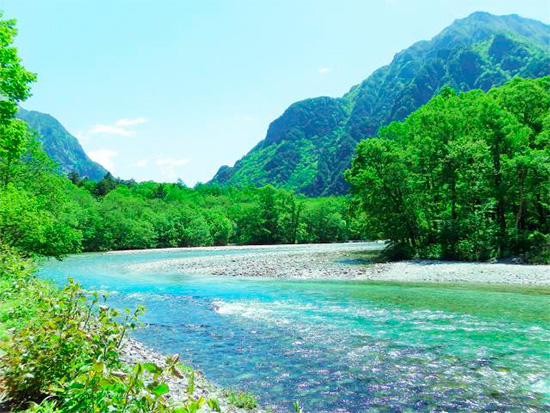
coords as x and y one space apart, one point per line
345 262
133 352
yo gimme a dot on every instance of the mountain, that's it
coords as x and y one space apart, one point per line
309 147
61 146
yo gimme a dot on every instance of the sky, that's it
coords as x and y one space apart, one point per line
166 89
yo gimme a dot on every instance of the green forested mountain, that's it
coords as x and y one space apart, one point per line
61 146
311 144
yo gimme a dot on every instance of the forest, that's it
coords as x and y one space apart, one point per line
467 176
51 215
45 213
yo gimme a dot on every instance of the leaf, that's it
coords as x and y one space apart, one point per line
152 368
98 367
161 389
105 383
214 405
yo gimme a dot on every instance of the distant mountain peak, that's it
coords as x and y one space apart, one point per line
61 146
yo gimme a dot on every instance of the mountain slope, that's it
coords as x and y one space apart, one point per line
311 144
61 146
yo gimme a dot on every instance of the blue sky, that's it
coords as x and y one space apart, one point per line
172 89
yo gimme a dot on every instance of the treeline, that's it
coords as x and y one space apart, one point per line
44 213
125 214
48 214
464 177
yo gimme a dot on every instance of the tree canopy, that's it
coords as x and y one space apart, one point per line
467 176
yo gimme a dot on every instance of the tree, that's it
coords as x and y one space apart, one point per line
14 88
464 177
75 178
106 185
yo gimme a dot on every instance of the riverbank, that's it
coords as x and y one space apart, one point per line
349 261
56 353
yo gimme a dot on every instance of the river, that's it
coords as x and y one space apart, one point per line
336 346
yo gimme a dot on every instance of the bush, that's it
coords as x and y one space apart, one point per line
63 351
539 248
242 400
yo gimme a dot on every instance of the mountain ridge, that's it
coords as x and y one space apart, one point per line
309 146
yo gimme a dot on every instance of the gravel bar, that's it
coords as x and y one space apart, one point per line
344 261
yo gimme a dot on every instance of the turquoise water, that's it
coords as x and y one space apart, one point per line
338 346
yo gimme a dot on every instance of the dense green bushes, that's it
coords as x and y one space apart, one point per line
465 177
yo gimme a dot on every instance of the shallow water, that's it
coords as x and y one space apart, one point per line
338 346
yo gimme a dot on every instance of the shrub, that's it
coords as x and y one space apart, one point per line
63 353
242 400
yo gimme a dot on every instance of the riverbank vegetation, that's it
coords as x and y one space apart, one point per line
464 177
64 352
49 215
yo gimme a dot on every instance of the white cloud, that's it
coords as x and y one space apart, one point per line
120 128
324 70
131 121
110 130
168 166
142 162
104 157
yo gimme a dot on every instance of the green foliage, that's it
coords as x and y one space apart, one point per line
241 399
309 147
14 88
60 343
63 351
27 224
13 144
464 177
16 307
14 79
